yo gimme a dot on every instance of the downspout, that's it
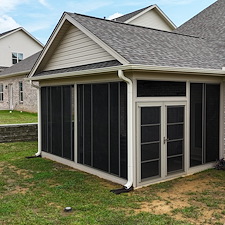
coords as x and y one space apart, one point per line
130 160
38 154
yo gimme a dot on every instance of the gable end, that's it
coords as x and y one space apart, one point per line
76 49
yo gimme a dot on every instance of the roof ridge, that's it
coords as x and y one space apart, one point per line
133 25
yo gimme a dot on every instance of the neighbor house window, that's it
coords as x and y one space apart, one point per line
21 91
1 92
16 57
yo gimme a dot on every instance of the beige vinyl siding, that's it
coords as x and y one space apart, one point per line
76 49
151 19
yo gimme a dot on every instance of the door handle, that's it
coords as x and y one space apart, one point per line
165 140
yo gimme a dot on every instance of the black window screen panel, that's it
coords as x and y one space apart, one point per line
212 122
160 88
87 114
196 134
44 121
205 107
114 128
67 122
57 121
123 129
80 127
102 127
56 115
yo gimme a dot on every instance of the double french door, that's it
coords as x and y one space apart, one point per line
161 140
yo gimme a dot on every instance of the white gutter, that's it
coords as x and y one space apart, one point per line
39 117
180 70
130 160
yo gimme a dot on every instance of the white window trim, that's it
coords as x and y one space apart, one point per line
1 93
21 92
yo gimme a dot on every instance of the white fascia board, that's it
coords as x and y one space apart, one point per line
133 67
14 74
12 32
163 15
48 45
97 40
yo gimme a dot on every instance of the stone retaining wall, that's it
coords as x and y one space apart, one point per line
18 132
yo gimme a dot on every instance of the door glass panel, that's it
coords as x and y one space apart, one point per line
175 138
150 133
150 151
175 164
174 147
150 169
150 115
150 141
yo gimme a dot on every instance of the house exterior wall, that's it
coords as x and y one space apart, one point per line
153 20
76 49
29 95
18 42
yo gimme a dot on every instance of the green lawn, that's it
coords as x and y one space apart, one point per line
16 117
36 191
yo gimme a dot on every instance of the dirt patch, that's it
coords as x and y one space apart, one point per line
178 202
21 172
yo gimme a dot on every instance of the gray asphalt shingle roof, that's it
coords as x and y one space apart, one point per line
23 66
153 47
208 24
80 68
126 17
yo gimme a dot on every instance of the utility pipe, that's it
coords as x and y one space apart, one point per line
130 160
39 117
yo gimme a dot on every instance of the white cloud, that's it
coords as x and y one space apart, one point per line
7 23
9 5
44 3
115 15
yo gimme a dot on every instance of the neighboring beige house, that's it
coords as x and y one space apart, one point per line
131 104
151 16
18 51
16 93
16 45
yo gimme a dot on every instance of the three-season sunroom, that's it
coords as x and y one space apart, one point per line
136 129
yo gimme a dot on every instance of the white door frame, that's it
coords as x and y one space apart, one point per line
164 176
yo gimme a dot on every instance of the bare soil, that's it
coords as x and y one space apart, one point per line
187 193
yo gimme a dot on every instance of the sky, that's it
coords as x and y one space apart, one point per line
39 17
